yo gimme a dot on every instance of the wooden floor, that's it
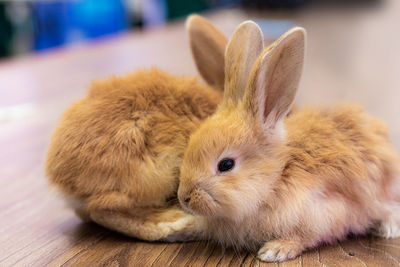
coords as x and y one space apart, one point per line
353 55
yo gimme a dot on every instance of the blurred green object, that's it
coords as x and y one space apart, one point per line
6 32
180 8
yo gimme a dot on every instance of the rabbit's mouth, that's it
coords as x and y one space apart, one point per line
201 203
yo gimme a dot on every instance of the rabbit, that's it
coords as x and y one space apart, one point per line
116 153
280 185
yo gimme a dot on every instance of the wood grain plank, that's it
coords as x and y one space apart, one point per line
201 254
168 255
215 257
362 250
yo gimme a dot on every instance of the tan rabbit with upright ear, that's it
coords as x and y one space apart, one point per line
282 185
117 152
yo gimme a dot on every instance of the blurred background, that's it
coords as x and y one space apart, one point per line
29 25
51 50
38 25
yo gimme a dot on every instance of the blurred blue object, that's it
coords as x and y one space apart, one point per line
42 24
61 22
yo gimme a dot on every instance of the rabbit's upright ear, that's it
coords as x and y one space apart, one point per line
274 79
208 45
242 51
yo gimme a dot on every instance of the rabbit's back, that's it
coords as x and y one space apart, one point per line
128 135
342 150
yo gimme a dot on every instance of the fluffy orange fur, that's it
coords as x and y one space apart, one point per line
119 149
313 177
330 176
116 153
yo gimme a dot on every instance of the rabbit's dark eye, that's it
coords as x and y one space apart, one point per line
226 164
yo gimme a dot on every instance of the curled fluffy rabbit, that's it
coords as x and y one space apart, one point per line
117 152
281 185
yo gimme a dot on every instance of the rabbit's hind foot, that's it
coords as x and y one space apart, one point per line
170 224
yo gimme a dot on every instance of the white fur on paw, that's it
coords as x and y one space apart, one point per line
179 230
177 225
279 250
389 229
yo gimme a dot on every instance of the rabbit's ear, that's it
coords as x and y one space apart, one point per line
275 77
242 51
208 45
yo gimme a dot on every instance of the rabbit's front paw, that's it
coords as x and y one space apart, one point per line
279 250
188 228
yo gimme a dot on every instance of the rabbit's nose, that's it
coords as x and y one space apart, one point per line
186 200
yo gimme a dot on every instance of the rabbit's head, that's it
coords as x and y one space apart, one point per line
234 160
